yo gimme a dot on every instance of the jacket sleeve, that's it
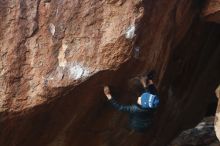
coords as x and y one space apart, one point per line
124 108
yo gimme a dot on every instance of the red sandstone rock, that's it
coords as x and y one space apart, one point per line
48 46
55 57
212 11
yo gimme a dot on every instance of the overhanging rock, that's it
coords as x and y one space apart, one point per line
56 56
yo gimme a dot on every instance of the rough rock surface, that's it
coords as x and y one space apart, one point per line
217 121
202 135
212 11
47 46
55 57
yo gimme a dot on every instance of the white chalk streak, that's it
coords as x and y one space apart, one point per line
77 71
130 33
52 28
61 56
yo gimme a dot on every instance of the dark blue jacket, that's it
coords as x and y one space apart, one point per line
139 118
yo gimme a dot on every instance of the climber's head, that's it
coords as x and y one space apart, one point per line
147 100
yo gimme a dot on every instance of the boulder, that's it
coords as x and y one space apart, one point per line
56 56
202 134
217 122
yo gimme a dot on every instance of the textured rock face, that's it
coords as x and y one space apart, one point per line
46 46
202 134
212 11
57 55
217 122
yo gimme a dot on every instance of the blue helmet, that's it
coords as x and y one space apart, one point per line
149 100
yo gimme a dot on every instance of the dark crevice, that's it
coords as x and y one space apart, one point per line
212 106
199 3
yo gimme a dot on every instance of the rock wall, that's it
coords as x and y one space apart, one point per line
217 122
190 80
49 45
57 55
211 11
202 134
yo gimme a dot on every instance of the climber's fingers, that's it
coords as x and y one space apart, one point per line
106 90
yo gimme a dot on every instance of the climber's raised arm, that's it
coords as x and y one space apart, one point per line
116 105
143 81
147 80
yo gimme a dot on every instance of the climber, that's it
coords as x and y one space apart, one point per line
141 114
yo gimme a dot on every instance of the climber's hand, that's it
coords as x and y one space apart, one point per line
143 81
107 92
